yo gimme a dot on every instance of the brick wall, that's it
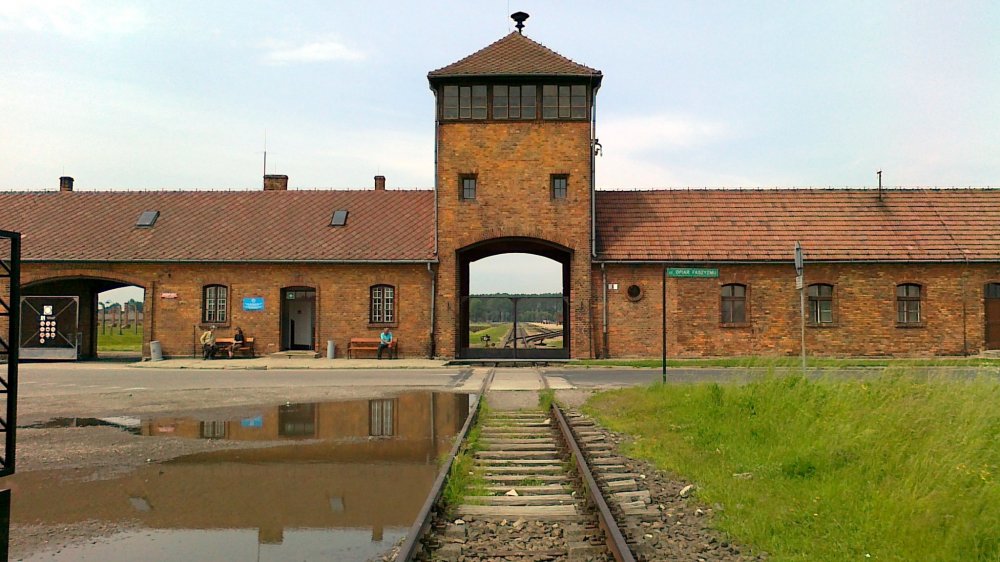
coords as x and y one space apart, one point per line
864 308
342 300
513 163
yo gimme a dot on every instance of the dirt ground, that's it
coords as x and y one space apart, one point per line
101 452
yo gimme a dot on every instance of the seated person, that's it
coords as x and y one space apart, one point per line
238 341
385 338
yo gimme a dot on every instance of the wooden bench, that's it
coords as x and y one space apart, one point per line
224 344
371 344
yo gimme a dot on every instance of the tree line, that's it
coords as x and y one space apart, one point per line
499 307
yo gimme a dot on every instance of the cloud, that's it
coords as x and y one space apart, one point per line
78 19
658 132
318 51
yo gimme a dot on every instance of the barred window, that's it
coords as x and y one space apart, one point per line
821 303
382 417
734 304
908 303
383 304
214 304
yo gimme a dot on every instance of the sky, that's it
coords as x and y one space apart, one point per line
182 94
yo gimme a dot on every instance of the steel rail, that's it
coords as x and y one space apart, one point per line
423 521
616 542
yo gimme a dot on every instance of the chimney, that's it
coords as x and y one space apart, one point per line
275 183
379 183
65 183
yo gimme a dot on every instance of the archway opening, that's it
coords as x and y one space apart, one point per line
515 300
82 318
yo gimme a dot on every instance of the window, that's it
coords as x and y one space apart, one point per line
468 185
993 290
559 186
564 102
821 304
514 102
908 303
339 218
464 102
214 304
297 420
383 304
734 304
212 430
634 292
147 219
381 415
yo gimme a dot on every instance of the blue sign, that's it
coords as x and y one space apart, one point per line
253 303
253 423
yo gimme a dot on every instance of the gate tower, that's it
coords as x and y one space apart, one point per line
514 172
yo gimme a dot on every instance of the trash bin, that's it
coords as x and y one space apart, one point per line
330 349
155 351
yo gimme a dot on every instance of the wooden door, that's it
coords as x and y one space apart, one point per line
992 322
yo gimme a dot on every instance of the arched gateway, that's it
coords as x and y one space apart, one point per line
532 326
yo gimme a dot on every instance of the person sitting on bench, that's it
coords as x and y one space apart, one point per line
385 338
238 341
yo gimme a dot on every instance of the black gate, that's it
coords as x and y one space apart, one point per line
10 294
515 327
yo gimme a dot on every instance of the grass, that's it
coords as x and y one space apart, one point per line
463 477
129 340
545 399
496 332
794 362
896 468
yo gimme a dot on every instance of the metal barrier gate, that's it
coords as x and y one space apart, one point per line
49 326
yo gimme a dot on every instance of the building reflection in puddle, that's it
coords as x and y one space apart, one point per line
341 480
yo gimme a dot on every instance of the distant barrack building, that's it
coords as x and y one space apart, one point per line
895 272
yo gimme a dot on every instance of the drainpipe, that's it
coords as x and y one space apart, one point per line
593 180
604 295
431 272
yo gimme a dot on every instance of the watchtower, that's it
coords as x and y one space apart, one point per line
514 144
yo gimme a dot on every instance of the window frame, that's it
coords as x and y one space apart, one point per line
744 298
554 191
813 302
205 308
513 102
382 300
906 303
463 190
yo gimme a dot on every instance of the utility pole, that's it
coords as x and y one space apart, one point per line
800 285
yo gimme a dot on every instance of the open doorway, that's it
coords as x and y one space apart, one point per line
120 315
298 318
515 301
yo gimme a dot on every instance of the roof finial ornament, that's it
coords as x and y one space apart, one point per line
519 17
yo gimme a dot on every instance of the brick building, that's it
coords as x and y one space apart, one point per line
895 272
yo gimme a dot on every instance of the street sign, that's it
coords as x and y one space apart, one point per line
799 282
697 272
253 303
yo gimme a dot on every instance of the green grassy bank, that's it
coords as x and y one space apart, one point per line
897 468
794 362
110 340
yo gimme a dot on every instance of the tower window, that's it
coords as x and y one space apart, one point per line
559 182
514 102
564 102
464 102
468 184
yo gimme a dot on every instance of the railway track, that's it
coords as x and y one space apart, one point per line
551 488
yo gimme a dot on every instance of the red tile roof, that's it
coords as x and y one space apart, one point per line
222 225
514 55
831 224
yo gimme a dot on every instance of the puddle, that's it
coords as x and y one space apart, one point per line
346 484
